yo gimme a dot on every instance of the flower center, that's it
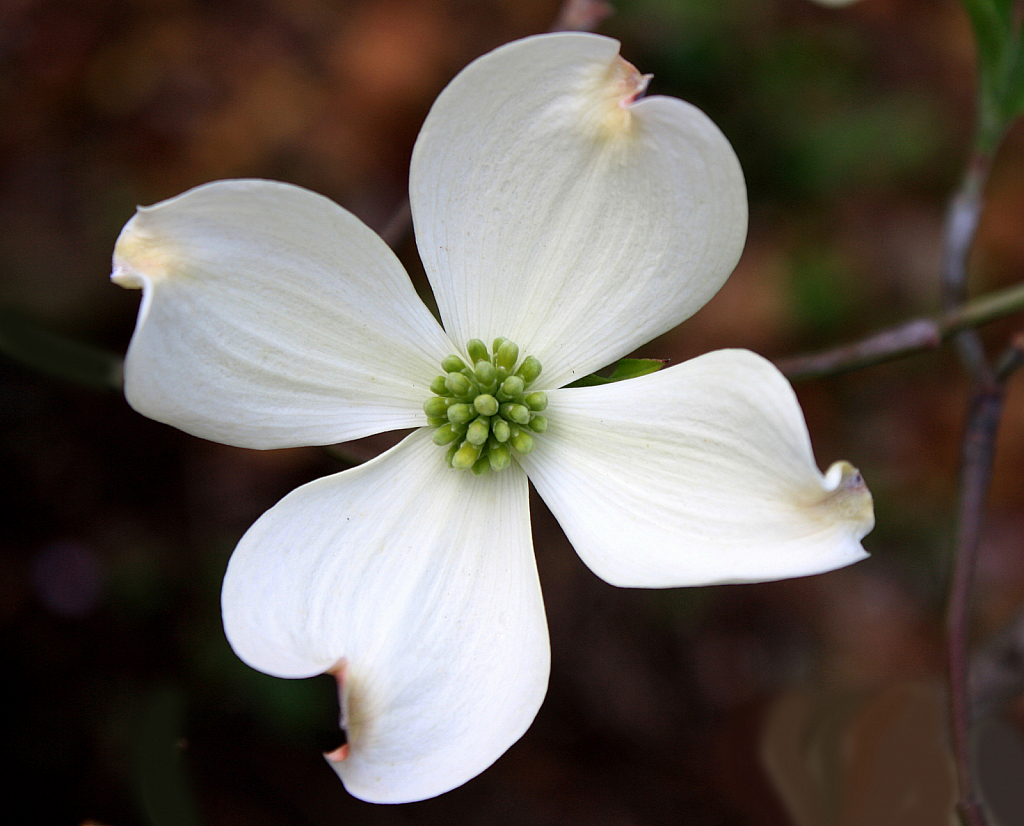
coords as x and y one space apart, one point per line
487 411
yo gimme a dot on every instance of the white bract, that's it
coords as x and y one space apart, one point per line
554 208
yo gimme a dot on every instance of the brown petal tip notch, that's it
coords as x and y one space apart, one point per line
340 673
847 497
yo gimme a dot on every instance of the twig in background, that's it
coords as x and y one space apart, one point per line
581 15
906 339
962 219
976 473
968 698
977 456
398 225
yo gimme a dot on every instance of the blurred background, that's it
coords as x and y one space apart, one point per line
809 702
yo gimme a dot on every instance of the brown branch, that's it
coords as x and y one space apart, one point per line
977 457
962 218
906 339
978 454
398 225
1012 359
581 15
975 476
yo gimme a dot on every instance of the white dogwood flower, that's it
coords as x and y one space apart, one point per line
562 222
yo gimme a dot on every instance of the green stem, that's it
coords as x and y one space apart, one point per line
906 339
987 308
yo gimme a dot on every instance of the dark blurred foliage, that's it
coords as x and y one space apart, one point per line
813 701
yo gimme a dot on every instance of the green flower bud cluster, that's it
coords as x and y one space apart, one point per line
486 412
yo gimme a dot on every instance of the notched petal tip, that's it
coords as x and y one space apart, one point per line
630 84
847 497
139 256
339 755
340 673
614 93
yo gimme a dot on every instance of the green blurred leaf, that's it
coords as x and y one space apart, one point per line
25 341
1015 83
625 369
822 290
867 143
1000 68
992 22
